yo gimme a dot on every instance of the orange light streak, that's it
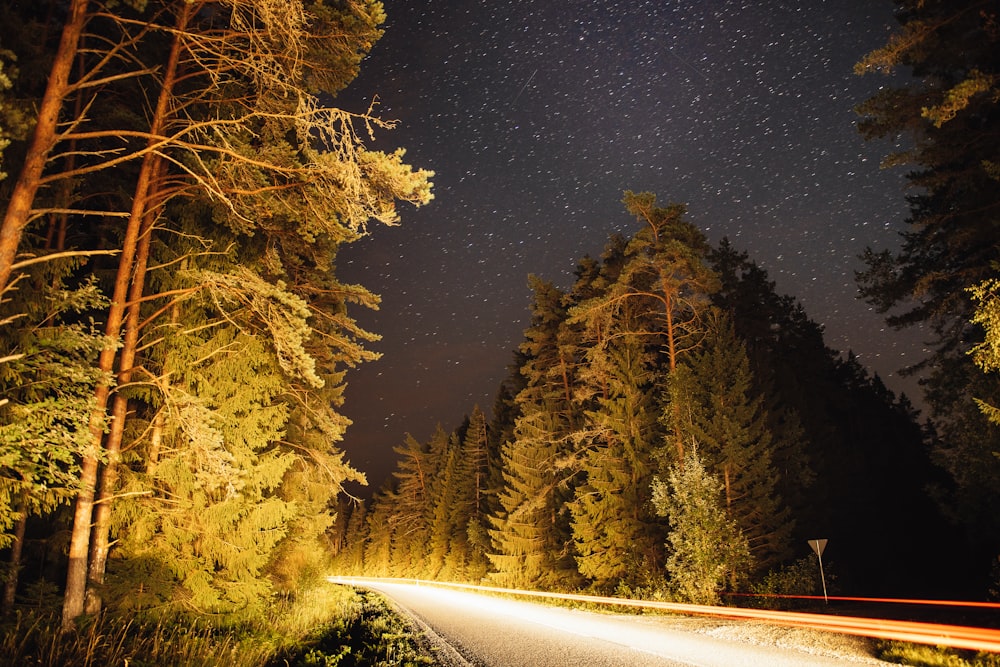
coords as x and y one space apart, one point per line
941 603
937 634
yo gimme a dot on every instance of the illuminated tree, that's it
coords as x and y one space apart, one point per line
666 263
613 531
643 314
987 353
48 381
531 532
470 511
223 154
706 550
665 273
417 466
526 533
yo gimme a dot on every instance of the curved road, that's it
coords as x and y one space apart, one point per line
466 628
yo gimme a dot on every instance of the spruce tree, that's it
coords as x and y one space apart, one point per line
470 509
712 402
48 379
530 531
526 534
416 467
614 534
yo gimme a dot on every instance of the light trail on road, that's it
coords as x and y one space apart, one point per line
467 628
937 634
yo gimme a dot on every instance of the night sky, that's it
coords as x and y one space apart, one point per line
536 115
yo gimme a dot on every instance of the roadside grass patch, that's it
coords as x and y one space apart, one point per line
921 655
325 626
370 634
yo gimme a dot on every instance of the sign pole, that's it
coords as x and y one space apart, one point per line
818 546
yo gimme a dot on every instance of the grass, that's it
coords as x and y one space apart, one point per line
324 627
371 634
920 655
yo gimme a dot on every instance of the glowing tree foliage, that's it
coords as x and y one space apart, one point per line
526 534
531 534
613 531
707 551
189 138
987 353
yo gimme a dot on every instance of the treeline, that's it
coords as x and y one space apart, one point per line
671 388
174 336
671 425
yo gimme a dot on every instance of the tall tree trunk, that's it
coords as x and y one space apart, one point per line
672 361
55 239
155 440
100 534
42 141
10 585
77 571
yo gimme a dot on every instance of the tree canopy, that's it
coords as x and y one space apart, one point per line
184 188
599 486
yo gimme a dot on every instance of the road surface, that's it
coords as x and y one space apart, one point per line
465 628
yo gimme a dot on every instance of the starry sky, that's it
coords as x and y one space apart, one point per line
536 115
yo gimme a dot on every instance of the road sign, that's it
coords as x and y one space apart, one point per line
818 546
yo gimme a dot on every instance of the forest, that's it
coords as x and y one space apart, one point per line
175 338
671 401
177 345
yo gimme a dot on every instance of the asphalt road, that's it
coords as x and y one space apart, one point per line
465 628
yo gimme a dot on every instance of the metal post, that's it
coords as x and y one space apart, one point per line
822 577
818 546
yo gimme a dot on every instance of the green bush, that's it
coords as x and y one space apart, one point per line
798 578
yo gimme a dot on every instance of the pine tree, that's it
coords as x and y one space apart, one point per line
948 114
664 273
645 310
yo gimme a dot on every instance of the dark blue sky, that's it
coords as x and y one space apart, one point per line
537 114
